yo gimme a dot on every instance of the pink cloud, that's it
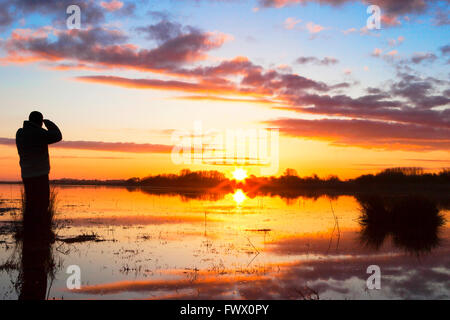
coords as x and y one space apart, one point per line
314 28
392 53
377 52
113 5
290 23
390 20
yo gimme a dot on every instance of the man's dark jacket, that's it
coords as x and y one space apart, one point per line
32 144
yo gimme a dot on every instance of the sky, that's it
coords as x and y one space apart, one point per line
346 100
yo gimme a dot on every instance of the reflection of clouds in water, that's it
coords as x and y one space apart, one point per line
403 276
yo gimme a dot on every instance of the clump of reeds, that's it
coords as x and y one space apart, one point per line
49 224
413 222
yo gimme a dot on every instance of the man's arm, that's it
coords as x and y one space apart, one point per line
53 133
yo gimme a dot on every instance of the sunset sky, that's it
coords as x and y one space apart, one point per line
346 100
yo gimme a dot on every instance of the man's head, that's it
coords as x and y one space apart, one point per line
37 118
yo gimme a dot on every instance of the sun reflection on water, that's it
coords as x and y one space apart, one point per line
239 196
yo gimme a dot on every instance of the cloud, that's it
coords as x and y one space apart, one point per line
290 23
390 20
162 31
314 28
392 53
113 5
173 85
420 57
377 52
350 30
391 56
128 147
422 93
5 16
390 6
391 9
255 80
108 48
322 62
441 17
367 133
395 42
223 99
445 50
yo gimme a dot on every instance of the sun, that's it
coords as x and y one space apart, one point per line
239 174
239 196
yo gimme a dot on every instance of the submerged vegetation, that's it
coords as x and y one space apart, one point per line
50 217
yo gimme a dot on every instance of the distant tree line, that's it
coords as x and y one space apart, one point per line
186 179
289 180
405 175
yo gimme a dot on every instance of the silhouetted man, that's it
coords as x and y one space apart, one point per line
32 144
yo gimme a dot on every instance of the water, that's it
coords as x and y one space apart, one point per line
159 245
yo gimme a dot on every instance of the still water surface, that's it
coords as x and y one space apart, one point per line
228 246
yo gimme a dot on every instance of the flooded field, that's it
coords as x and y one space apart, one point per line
147 244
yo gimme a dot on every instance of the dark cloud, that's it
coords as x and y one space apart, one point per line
390 6
165 30
441 17
367 133
445 50
371 90
410 99
106 47
159 15
5 16
128 147
423 57
284 83
421 91
128 9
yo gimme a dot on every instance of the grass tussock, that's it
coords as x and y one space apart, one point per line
413 222
49 224
81 238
